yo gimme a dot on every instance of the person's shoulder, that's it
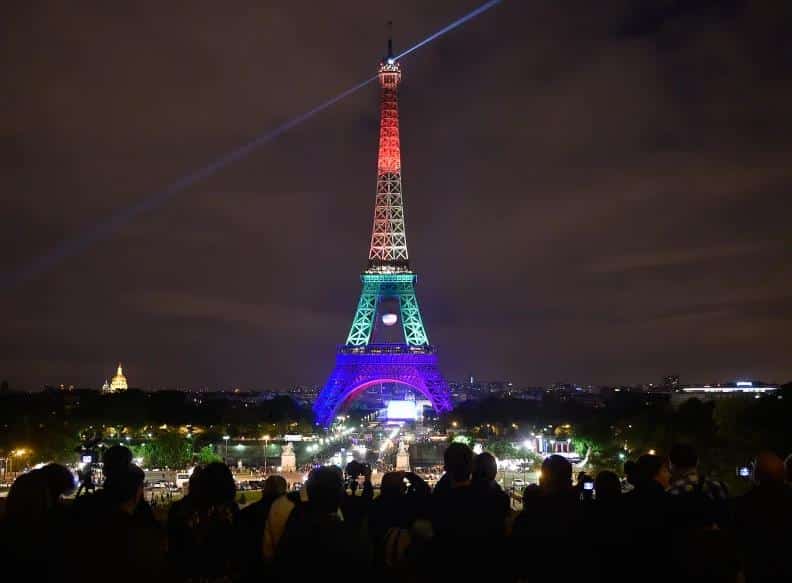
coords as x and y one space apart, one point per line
284 504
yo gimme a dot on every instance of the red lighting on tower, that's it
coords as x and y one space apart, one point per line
388 252
389 150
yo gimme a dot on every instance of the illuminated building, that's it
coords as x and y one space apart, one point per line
118 382
360 362
736 389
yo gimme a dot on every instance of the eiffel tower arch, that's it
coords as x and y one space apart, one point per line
360 362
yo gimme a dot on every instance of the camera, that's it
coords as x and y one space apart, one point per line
588 486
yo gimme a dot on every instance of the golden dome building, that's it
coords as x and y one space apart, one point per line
119 381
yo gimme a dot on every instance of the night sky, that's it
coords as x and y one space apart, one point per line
597 192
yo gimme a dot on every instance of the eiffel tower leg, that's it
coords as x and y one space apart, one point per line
363 324
412 323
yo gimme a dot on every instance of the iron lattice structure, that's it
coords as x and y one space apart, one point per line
360 363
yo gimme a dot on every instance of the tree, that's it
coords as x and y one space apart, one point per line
169 450
207 455
502 449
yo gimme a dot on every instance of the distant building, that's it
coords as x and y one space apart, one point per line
731 390
117 383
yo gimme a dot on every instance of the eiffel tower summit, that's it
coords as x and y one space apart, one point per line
362 362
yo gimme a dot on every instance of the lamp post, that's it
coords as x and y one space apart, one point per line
266 449
16 453
226 438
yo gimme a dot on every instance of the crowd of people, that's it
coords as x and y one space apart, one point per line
672 524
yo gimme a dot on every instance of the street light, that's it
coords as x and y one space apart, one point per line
16 453
266 439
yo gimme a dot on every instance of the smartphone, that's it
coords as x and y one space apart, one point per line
744 472
588 486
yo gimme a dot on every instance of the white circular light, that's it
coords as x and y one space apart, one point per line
389 319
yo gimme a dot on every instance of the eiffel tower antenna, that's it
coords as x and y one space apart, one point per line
390 40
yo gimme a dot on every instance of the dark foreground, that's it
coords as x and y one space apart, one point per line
674 525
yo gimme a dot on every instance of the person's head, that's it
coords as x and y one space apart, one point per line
392 485
128 487
768 469
630 468
530 492
353 469
214 485
581 477
485 467
274 486
325 486
556 474
28 499
116 459
788 469
682 457
59 480
651 467
193 484
458 462
607 486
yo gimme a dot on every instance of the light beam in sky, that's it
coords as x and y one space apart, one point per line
121 217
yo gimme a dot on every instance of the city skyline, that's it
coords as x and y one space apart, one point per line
589 196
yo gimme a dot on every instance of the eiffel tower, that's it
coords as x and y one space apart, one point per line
360 362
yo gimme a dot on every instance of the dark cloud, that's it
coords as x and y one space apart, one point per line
596 191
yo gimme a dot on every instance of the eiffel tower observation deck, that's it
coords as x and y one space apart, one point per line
361 362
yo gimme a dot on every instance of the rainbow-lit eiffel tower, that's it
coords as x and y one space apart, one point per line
360 362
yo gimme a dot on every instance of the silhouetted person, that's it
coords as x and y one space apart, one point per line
312 522
630 468
604 526
395 539
124 548
763 521
252 521
33 527
452 504
359 493
607 486
116 460
87 485
202 527
88 508
551 521
464 516
647 514
491 497
697 501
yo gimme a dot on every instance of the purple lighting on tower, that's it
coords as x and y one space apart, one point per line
358 369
